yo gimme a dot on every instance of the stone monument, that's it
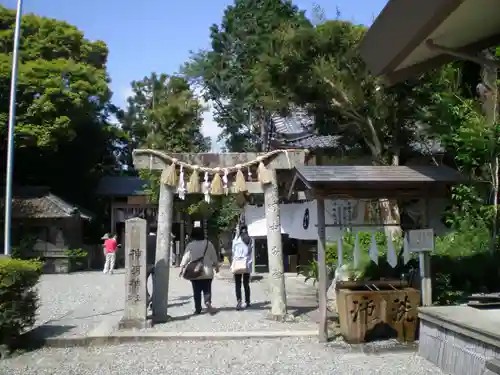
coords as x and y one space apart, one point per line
136 300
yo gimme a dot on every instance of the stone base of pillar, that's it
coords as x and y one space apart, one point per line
287 318
134 324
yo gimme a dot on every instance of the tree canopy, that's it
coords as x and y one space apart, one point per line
268 57
224 71
265 57
163 113
64 136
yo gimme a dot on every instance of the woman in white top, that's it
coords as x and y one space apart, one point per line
202 284
242 250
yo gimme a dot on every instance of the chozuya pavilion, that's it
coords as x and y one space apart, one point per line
407 39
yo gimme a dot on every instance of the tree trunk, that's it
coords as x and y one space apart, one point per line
494 229
490 109
389 209
264 134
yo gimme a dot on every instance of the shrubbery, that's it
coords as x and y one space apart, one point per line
463 263
18 297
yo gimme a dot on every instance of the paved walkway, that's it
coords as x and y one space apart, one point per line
90 304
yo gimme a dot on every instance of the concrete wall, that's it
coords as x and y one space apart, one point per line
455 353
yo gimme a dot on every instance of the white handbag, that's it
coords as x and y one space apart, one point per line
239 266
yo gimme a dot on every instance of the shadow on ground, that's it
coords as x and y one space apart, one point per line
36 338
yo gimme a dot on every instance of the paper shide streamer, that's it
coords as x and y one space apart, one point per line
340 251
357 252
392 258
373 252
406 249
181 190
206 188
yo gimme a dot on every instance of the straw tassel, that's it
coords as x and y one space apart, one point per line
240 184
169 175
217 186
193 186
265 176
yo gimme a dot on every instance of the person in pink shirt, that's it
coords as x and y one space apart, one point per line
110 246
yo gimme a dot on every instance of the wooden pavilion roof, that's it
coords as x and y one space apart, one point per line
371 182
399 43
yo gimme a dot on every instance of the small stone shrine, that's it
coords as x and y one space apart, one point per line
136 300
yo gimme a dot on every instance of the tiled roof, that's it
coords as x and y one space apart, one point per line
296 130
350 173
298 121
311 141
121 186
39 203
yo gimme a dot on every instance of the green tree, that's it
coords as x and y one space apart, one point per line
224 71
64 138
163 113
319 68
473 137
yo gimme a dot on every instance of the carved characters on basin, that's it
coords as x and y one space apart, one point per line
378 314
365 307
401 310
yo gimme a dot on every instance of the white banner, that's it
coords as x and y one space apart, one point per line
299 220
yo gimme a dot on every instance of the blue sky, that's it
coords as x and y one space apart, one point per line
157 35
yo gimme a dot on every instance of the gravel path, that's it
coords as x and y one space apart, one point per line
227 318
62 294
278 357
76 304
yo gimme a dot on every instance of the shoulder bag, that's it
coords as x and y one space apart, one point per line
195 268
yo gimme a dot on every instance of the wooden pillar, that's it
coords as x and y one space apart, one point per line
112 228
322 272
162 261
275 250
424 258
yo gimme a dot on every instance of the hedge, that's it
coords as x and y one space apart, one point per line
18 297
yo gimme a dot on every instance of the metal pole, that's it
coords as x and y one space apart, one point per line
12 123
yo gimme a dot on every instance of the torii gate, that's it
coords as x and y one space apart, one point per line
223 173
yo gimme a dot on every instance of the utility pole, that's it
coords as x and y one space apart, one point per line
11 129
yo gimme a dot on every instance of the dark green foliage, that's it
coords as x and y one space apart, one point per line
163 113
64 137
229 71
18 299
